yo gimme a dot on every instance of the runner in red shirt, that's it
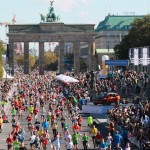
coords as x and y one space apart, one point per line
9 142
45 138
29 119
76 127
35 111
57 111
98 138
32 128
17 127
80 120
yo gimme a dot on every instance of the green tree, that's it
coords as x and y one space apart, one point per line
50 58
2 49
83 66
139 35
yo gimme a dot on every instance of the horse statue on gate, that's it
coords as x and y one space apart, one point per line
51 16
58 18
42 18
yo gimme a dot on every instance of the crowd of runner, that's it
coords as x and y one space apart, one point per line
48 105
45 108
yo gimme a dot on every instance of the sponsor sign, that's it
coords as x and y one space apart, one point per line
117 62
95 109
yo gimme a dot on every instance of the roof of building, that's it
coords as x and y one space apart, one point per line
99 51
112 22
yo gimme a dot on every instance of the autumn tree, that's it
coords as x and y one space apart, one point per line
20 60
139 35
50 58
2 49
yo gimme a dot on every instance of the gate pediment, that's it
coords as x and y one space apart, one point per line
50 28
61 27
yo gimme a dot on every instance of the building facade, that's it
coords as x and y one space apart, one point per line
112 29
109 33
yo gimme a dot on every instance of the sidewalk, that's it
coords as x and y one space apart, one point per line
7 128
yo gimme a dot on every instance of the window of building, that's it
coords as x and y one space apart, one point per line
115 37
108 34
107 26
117 26
127 27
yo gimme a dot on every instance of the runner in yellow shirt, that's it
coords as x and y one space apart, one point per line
40 133
1 122
93 132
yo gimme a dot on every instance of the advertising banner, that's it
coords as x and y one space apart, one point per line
95 109
136 57
117 62
140 56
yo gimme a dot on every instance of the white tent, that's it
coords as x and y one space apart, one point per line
5 75
65 78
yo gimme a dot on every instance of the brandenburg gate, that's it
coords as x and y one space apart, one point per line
51 30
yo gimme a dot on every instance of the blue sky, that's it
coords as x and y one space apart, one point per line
70 11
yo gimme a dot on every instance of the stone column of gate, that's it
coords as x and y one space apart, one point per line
91 63
76 50
41 58
11 57
26 57
61 65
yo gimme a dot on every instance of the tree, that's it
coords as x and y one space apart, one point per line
139 35
53 66
32 61
20 60
2 49
50 58
83 66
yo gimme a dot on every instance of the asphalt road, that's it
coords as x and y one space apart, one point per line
7 129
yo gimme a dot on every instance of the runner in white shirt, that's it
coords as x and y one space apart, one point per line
68 136
69 144
127 147
32 140
109 140
57 143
